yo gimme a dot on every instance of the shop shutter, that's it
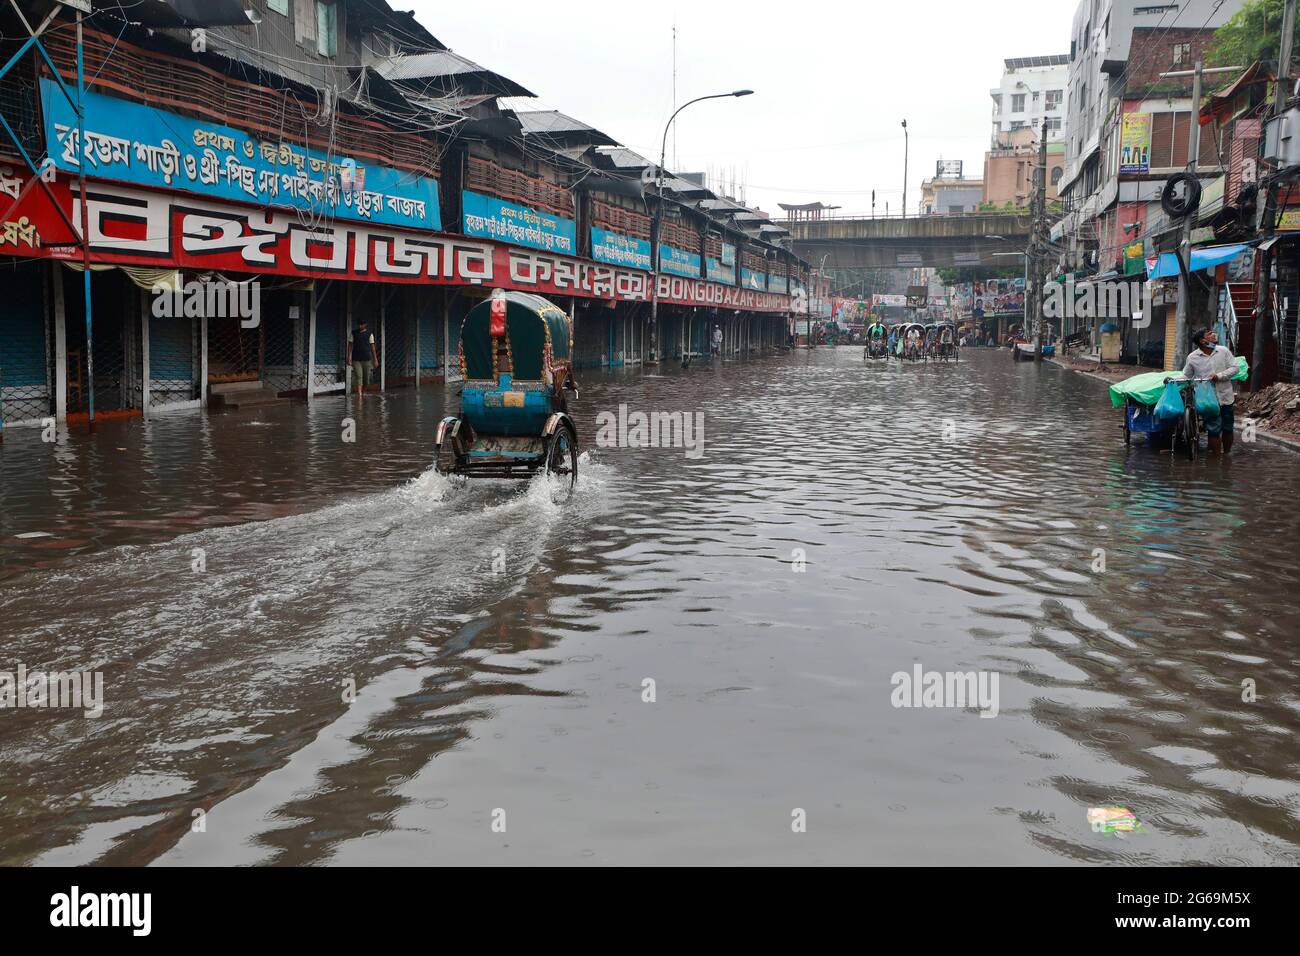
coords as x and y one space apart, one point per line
1161 140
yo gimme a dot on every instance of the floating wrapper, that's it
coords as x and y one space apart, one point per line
1113 820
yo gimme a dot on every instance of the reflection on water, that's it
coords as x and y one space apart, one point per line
233 578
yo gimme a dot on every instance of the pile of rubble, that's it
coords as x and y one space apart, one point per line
1276 408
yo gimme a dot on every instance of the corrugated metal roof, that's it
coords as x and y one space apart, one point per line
185 13
445 70
623 158
553 124
684 187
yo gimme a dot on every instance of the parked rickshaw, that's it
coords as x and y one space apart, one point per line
1140 395
516 356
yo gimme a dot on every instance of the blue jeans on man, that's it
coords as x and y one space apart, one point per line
1223 423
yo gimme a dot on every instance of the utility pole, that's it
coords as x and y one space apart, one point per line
85 226
1263 284
1037 236
1189 223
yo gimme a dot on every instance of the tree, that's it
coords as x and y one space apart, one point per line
978 274
1254 33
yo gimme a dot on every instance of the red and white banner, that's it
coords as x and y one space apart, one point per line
161 230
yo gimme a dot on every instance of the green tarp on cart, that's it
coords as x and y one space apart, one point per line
1146 389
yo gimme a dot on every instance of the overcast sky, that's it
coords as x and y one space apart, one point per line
832 82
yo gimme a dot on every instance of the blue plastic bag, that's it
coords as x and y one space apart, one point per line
1207 400
1171 404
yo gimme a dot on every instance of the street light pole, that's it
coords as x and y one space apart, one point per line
657 221
905 159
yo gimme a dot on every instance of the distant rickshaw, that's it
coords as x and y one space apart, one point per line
947 350
877 341
516 356
931 341
912 342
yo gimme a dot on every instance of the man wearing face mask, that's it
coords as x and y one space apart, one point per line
1209 360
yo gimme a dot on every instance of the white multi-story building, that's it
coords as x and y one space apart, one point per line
1032 89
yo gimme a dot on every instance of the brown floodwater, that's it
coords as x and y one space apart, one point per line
231 577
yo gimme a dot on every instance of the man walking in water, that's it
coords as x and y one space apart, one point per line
361 355
1212 361
717 340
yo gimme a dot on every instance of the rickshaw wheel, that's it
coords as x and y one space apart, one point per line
562 458
1192 429
445 460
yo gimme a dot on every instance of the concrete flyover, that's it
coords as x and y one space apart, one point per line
971 239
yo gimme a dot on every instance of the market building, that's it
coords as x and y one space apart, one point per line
319 163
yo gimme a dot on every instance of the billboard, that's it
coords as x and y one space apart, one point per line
1135 143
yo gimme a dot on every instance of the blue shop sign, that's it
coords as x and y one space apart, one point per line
716 271
487 217
779 284
753 280
134 143
620 250
678 262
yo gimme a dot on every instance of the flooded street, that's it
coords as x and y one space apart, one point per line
233 577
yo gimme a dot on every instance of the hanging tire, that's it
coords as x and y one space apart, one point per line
562 458
1173 206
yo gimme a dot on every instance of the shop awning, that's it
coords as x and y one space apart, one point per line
1167 265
